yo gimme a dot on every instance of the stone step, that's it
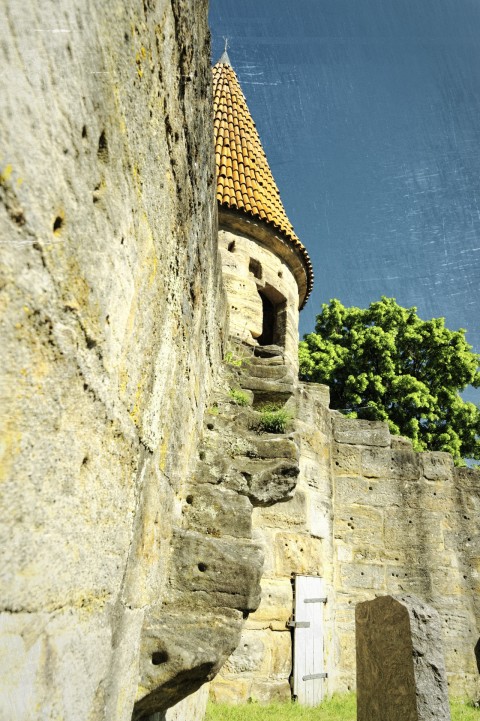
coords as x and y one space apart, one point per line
272 372
268 351
268 387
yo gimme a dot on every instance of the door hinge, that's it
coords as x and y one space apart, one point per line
298 624
315 600
312 676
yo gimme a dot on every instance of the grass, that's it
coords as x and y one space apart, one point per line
338 708
274 419
240 398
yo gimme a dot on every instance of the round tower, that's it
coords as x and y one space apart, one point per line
267 271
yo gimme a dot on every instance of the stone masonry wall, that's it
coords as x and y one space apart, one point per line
403 523
112 327
371 517
296 537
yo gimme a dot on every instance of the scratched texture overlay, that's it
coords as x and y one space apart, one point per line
369 113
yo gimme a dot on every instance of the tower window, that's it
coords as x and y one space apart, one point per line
274 320
255 268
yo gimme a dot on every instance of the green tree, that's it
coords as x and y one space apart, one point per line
385 363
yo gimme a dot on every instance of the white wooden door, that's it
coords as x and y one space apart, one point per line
308 654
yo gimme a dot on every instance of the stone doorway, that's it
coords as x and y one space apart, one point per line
274 315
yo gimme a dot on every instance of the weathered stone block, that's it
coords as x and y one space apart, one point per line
229 573
280 652
271 691
299 553
209 509
249 654
346 459
289 514
358 432
386 463
400 442
367 492
276 605
360 525
437 466
319 521
362 576
230 690
400 667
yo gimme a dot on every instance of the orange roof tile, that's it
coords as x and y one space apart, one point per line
237 146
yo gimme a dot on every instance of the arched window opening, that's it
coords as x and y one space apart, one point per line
274 317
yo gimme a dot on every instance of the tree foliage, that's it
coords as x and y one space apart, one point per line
385 363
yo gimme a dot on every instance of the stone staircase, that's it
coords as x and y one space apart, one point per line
215 570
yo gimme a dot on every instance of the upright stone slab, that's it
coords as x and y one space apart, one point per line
400 667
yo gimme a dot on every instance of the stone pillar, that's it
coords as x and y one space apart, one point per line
400 668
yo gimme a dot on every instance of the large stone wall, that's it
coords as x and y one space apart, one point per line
403 523
372 517
112 327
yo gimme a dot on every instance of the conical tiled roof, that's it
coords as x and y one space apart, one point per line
244 179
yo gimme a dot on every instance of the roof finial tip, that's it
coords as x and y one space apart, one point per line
225 59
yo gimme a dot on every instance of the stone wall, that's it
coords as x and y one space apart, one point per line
296 537
403 525
112 328
371 517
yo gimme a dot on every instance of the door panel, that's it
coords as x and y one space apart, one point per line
308 654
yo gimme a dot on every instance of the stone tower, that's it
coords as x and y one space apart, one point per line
267 271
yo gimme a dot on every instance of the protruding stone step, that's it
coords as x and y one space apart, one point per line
268 351
269 387
271 372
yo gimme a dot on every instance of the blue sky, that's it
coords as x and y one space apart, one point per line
369 112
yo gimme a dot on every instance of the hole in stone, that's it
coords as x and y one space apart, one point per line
102 152
201 455
245 614
231 246
370 488
57 224
159 657
280 274
210 426
202 567
85 461
189 500
84 131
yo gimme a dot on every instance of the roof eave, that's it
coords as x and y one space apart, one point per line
274 240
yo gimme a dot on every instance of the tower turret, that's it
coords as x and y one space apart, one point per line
267 271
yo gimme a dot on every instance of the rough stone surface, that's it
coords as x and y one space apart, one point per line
113 323
400 667
374 518
215 567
